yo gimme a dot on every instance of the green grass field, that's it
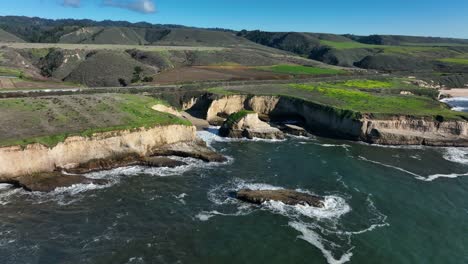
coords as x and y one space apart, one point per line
301 70
375 103
408 50
51 120
381 98
10 72
347 44
463 61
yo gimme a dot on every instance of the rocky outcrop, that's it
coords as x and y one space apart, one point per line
248 125
193 149
49 181
294 130
332 122
289 197
17 161
123 160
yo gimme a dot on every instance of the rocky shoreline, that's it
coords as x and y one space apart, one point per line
39 168
328 121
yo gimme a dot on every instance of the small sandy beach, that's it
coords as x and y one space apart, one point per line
455 92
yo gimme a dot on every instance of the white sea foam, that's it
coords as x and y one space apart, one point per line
5 186
428 178
161 171
181 197
452 99
6 192
460 109
315 239
334 207
74 193
211 135
321 227
458 155
436 176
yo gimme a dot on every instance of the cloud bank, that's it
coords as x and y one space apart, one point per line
72 3
142 6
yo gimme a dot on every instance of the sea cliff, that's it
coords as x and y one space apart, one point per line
340 123
17 161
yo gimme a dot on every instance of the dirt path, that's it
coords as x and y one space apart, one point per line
200 123
6 83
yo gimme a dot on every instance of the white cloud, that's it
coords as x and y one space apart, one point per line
142 6
72 3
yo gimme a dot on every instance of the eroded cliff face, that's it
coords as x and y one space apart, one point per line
250 126
397 130
412 131
16 161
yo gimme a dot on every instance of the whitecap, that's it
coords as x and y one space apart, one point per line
317 241
181 197
205 216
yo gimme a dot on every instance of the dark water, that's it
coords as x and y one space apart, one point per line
384 205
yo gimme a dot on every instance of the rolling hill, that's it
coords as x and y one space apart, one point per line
8 37
440 59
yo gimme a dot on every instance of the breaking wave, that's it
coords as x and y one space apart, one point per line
457 155
74 193
211 135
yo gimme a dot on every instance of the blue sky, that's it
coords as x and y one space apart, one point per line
447 18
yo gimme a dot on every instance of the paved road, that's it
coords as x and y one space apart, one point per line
167 88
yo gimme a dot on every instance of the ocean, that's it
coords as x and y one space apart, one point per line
457 103
382 205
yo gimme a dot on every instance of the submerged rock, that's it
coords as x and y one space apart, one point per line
119 161
289 197
247 124
163 162
191 149
47 182
294 130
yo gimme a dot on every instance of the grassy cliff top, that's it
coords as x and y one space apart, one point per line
50 120
381 98
235 117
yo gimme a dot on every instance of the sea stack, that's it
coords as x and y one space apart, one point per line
289 197
246 124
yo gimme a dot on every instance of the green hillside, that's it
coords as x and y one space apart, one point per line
8 37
